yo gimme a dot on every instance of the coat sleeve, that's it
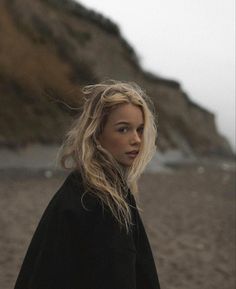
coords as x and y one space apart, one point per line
74 249
146 273
145 264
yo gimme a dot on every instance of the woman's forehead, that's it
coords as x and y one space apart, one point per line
126 113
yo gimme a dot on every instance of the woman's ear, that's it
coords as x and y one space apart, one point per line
97 141
99 146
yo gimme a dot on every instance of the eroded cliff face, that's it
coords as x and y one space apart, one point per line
50 48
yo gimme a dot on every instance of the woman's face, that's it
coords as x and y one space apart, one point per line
122 134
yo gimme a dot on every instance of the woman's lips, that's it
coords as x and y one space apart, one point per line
132 155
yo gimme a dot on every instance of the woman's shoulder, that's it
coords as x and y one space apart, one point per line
72 196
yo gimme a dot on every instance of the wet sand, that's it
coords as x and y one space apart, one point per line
189 214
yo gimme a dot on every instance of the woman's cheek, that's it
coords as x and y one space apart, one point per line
119 141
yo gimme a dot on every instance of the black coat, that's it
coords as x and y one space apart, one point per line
75 248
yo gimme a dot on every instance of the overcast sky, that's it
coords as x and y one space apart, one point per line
192 41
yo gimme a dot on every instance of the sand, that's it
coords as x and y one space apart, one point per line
188 211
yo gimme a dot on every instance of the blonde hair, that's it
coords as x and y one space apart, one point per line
101 173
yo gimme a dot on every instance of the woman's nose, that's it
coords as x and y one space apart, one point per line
136 138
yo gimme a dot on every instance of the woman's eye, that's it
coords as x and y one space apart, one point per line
140 130
123 129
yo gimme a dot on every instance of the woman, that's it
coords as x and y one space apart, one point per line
91 235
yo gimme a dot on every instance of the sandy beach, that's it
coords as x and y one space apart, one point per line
188 211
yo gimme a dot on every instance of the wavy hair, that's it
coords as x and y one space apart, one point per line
102 174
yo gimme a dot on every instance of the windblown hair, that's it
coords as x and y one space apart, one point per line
102 174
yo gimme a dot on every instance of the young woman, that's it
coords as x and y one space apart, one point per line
91 235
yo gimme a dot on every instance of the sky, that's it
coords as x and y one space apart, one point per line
192 42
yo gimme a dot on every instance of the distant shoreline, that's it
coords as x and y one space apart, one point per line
41 159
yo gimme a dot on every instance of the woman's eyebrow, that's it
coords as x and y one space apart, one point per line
125 122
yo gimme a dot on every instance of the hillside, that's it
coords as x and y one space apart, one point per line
51 48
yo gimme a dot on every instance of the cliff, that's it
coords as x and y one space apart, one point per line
51 48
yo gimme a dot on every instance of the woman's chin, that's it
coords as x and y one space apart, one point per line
126 164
